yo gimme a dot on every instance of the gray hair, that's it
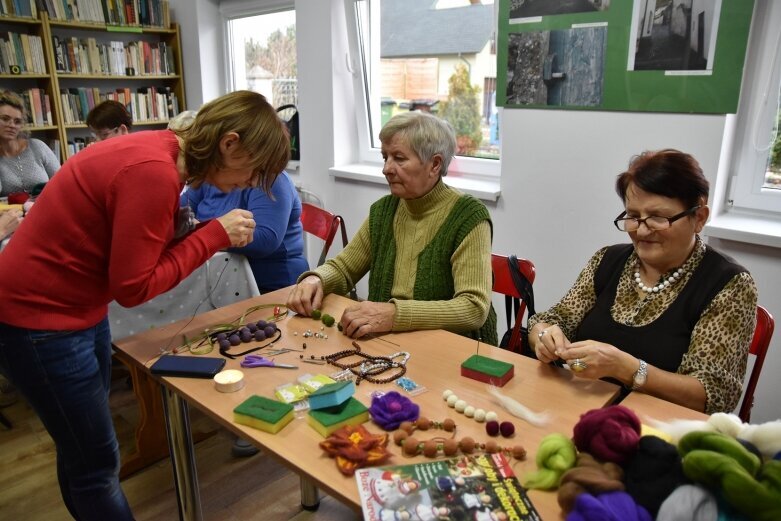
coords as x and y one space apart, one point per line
182 120
426 134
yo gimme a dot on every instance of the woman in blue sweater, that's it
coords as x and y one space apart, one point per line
276 253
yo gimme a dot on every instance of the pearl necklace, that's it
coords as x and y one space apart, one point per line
677 274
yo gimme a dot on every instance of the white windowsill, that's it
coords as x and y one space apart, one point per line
745 227
486 190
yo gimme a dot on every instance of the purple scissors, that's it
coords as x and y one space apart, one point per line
262 361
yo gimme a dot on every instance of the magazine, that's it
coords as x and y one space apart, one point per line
477 487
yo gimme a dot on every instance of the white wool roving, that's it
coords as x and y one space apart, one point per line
518 410
766 437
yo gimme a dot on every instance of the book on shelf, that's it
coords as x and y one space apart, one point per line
479 487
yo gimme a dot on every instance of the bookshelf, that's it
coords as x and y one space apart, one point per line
85 60
25 68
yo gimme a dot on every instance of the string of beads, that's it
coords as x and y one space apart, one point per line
369 367
431 448
677 274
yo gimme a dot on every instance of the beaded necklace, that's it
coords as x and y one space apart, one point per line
431 448
666 283
370 366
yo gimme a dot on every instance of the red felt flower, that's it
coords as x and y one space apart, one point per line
355 447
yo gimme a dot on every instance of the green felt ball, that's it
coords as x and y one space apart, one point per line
316 314
328 320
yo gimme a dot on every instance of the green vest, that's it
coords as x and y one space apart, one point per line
434 278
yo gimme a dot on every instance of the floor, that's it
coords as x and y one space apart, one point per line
232 489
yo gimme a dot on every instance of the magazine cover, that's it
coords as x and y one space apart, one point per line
477 487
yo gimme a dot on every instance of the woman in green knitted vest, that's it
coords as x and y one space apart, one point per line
426 246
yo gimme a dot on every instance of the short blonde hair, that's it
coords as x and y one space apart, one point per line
261 133
12 99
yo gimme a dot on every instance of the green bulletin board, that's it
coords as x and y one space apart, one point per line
686 55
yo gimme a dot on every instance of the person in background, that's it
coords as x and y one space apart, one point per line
24 162
276 253
427 246
666 315
104 229
109 119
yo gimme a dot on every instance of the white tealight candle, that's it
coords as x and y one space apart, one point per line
229 381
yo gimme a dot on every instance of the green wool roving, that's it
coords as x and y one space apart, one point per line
722 464
555 456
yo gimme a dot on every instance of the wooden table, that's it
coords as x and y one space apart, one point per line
648 407
435 363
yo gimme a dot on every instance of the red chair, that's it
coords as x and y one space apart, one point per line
759 344
503 283
322 224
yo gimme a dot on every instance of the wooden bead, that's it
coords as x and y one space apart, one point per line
399 437
449 425
467 445
430 448
411 446
491 447
423 423
450 447
519 452
407 426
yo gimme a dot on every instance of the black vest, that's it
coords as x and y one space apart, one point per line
663 342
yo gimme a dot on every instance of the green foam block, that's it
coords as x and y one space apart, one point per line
264 414
326 421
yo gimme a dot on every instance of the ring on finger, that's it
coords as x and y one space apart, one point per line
541 334
578 365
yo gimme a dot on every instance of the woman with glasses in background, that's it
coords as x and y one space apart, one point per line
109 119
25 162
667 314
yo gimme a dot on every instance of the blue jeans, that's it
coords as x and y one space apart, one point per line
65 376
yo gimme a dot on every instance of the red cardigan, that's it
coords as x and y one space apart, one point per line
102 230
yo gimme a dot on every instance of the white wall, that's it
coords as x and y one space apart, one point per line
558 169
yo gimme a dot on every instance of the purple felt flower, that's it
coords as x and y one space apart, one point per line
390 409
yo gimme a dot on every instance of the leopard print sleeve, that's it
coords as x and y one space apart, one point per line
570 310
720 342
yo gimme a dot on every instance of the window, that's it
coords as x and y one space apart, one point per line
410 59
756 174
262 55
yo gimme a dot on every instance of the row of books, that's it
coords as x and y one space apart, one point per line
145 104
153 13
38 107
88 56
21 53
23 8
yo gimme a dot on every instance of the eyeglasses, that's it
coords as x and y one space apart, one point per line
8 120
100 135
652 222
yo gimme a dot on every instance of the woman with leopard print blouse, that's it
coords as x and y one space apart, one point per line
666 314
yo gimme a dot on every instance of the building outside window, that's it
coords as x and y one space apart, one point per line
262 50
437 57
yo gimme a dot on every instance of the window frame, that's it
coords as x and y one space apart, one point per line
754 122
476 168
234 9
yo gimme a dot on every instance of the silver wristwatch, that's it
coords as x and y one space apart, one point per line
640 376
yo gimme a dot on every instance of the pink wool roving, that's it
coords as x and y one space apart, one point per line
609 434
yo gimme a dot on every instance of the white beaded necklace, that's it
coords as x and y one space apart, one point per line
677 274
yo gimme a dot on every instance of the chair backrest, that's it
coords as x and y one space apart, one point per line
759 344
322 224
503 283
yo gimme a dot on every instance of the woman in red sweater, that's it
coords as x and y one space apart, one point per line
107 227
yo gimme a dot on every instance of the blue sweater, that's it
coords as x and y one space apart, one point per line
276 253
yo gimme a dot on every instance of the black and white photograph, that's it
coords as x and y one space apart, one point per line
674 35
535 8
557 68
